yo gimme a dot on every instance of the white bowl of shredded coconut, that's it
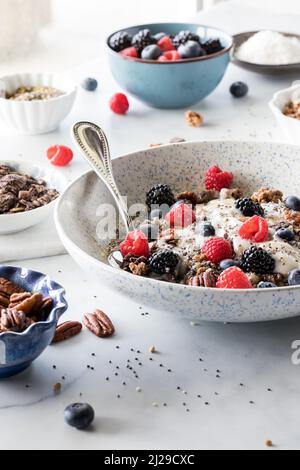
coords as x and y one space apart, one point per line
267 51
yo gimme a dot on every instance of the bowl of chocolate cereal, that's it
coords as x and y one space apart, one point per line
28 193
35 103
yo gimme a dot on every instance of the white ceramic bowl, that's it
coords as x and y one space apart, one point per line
182 166
12 223
289 125
36 117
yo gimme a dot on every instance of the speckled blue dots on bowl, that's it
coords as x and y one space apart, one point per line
19 350
172 84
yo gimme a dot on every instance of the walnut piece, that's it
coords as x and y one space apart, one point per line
138 269
292 216
194 119
235 193
265 195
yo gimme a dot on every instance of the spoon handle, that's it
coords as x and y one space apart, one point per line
94 146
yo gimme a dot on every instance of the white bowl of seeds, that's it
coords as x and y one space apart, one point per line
35 103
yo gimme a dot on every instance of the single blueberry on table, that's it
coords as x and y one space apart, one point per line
229 263
239 89
152 52
266 285
190 50
79 415
285 234
90 84
293 203
294 278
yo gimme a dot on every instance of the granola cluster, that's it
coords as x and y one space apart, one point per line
34 93
265 195
292 110
22 193
20 309
194 119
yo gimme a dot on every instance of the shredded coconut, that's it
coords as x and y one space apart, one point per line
270 48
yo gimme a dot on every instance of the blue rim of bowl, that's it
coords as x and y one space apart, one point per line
134 278
56 312
175 62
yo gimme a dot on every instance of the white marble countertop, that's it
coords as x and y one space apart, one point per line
243 374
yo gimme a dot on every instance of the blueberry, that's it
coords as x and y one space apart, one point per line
90 84
150 230
239 89
79 415
285 234
294 278
159 36
266 285
190 50
293 203
151 52
229 263
206 230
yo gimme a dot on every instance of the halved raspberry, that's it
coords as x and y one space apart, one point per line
217 249
172 55
255 229
119 103
130 52
216 179
136 243
162 58
233 278
166 44
60 155
181 216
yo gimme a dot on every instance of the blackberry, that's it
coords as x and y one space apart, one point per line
164 262
249 208
212 46
120 41
160 195
143 39
258 261
183 37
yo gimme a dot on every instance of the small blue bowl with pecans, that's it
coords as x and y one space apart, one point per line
31 305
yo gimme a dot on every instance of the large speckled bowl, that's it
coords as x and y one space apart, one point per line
182 166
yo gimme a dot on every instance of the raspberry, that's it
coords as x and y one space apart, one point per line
233 278
59 155
255 229
216 179
136 243
217 249
181 216
130 52
119 103
170 56
166 44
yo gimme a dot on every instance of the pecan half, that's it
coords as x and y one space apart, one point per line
189 196
7 288
66 331
14 320
26 302
99 324
206 279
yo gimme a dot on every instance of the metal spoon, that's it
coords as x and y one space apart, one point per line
93 145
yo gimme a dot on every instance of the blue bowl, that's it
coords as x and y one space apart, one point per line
172 85
19 350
